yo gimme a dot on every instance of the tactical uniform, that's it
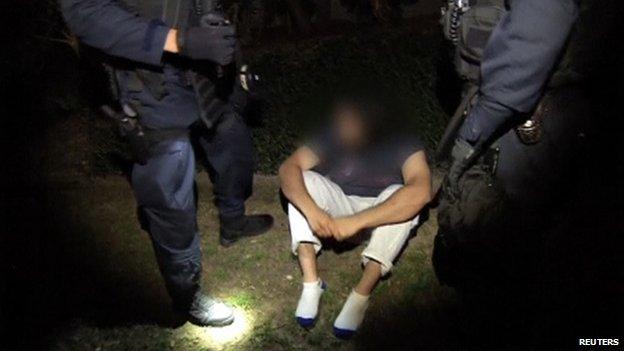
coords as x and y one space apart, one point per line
162 92
521 128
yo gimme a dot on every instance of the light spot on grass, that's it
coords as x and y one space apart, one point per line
219 337
244 300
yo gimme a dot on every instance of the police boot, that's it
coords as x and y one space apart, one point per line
206 311
233 229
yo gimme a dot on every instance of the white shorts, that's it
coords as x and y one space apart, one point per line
385 241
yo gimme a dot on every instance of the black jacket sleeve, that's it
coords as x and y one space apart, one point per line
107 26
517 63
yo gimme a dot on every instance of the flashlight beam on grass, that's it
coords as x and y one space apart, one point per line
219 336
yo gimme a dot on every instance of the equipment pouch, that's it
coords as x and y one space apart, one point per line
132 132
468 24
477 200
139 145
464 216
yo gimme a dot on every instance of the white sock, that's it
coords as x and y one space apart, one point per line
352 313
307 307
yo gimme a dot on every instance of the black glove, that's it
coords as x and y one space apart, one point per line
486 118
216 43
463 155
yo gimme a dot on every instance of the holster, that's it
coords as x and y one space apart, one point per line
141 141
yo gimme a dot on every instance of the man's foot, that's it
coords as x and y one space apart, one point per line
233 229
307 308
351 316
208 311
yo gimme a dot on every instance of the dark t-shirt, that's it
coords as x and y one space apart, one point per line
366 172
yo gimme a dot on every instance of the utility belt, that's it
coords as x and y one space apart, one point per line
213 99
214 87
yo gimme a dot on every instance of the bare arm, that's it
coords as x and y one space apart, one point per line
291 178
293 187
403 205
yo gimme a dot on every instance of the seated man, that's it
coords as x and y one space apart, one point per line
364 183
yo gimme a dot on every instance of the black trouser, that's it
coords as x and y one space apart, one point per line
166 196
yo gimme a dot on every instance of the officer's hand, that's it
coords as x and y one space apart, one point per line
216 43
321 223
462 155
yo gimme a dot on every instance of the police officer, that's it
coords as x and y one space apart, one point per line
520 129
151 45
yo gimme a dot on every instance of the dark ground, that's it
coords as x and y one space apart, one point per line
78 274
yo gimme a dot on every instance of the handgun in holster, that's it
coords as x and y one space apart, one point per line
131 131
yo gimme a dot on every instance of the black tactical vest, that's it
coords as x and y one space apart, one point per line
469 24
212 91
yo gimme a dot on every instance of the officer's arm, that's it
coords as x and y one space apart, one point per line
105 25
517 63
406 202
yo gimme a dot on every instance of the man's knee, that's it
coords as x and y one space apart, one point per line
312 179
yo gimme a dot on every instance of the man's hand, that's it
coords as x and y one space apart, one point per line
321 223
216 43
346 227
401 206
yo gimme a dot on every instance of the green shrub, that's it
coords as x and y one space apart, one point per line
401 62
298 75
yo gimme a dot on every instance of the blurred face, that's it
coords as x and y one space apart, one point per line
350 126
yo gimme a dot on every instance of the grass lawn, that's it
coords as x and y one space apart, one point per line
113 297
